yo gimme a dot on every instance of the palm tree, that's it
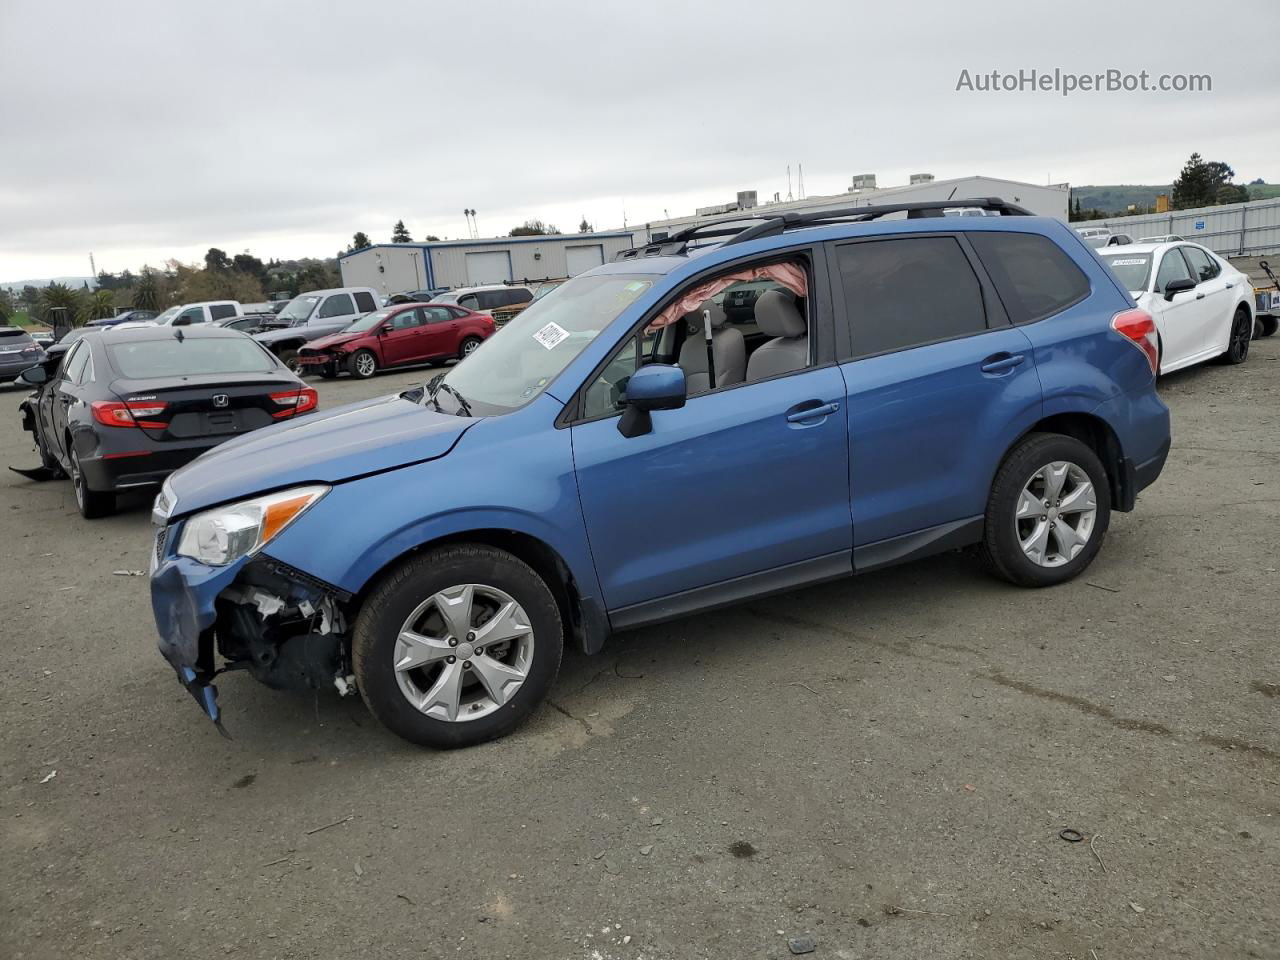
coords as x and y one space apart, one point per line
95 306
146 295
57 295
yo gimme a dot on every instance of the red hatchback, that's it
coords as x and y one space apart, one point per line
397 336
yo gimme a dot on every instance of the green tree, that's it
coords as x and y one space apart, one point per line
7 307
146 295
585 227
30 297
359 242
1201 184
432 238
95 306
55 297
534 228
216 259
400 233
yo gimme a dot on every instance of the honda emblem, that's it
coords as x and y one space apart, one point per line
221 400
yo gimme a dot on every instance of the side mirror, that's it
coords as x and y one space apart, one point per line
655 387
1180 285
34 375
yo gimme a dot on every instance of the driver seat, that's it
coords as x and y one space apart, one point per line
728 349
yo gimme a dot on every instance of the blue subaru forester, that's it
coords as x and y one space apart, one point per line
743 408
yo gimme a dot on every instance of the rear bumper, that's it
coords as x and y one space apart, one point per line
11 369
1140 421
145 462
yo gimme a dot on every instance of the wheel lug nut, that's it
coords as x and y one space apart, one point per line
466 665
470 637
450 659
479 650
453 641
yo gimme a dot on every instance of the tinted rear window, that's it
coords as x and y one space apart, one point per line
907 292
220 311
146 359
1035 278
14 335
364 301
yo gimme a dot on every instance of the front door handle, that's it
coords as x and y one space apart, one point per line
1199 296
1000 362
811 410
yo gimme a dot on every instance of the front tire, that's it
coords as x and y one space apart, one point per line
92 503
1241 336
362 364
457 646
1048 511
1267 326
289 358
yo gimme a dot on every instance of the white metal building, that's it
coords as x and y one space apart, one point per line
1045 200
399 267
1231 230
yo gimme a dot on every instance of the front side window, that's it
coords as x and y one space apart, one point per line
1035 277
907 292
338 305
1172 267
189 316
524 356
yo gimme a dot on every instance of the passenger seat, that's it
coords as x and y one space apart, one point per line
727 347
779 317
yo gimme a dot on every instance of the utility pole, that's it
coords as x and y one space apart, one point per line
92 268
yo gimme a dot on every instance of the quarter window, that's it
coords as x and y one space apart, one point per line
75 363
906 292
339 305
1035 278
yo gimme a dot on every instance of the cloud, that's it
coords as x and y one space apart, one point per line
162 129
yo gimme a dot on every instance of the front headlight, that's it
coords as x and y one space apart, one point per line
225 534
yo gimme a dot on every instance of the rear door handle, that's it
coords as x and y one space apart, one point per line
804 412
1000 362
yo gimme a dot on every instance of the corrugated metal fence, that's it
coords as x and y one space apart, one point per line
1233 230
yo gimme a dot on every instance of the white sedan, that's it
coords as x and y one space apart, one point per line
1203 306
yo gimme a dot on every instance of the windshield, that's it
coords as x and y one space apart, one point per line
165 318
1131 269
298 310
517 362
445 298
368 321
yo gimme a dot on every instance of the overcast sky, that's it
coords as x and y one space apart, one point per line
144 131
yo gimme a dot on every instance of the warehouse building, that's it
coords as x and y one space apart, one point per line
1050 200
400 267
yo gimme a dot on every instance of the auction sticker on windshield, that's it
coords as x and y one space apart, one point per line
551 334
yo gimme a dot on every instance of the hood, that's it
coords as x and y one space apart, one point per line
330 447
277 333
336 340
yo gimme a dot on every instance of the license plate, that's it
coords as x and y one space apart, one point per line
308 361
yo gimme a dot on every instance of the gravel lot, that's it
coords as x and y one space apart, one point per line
884 764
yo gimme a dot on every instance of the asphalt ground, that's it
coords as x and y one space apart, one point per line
883 764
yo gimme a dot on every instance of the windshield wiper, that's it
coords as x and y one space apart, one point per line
463 407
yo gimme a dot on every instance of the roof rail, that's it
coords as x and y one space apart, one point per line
763 225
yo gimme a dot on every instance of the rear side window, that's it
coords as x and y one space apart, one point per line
907 292
438 314
1203 266
145 359
1035 278
339 305
220 311
364 302
406 319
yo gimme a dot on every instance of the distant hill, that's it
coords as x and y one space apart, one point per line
1115 198
73 282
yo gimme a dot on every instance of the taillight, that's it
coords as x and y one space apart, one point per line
113 413
296 401
1139 328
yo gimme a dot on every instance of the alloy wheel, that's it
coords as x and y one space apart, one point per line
1241 335
1056 513
77 480
366 365
464 652
470 347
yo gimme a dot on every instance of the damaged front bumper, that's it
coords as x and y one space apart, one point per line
286 628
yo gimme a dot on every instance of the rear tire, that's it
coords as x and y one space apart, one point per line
1267 326
406 600
92 503
468 346
1240 337
362 364
1027 547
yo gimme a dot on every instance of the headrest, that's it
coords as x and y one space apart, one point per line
777 315
694 318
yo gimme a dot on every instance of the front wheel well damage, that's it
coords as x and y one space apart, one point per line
583 624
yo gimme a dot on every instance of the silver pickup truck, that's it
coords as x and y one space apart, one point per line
312 315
